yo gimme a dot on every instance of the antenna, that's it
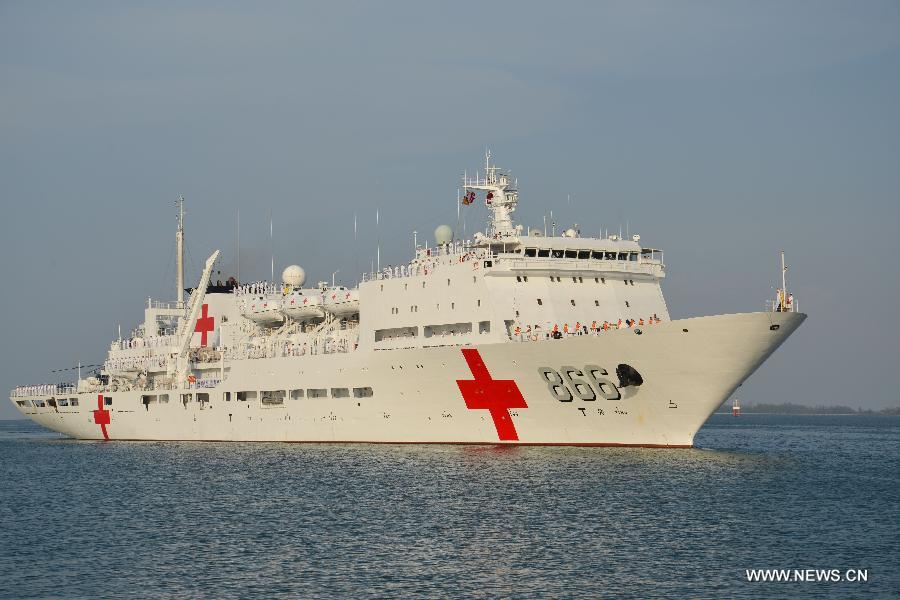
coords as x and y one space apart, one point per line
378 236
355 250
784 293
238 235
272 244
179 254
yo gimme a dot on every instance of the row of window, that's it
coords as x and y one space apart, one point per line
446 329
572 302
279 396
581 254
524 278
415 307
52 402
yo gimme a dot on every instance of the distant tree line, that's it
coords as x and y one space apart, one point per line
788 408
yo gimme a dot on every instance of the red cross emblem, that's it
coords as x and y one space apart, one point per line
205 324
494 395
101 416
305 300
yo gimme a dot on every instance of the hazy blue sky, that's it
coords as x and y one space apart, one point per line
721 132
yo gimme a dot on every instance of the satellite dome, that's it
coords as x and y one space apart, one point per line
294 276
443 235
570 233
536 233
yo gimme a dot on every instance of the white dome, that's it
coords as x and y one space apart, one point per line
569 233
443 235
294 276
536 233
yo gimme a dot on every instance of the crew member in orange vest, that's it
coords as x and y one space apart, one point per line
566 329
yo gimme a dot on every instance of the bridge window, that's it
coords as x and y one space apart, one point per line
202 398
20 402
63 401
584 254
531 252
317 393
296 394
340 392
571 253
632 256
597 255
623 256
363 392
544 253
610 256
246 396
484 327
558 253
73 401
107 401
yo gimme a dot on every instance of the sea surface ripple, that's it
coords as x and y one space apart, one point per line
149 520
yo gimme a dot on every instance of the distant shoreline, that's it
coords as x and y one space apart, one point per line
812 414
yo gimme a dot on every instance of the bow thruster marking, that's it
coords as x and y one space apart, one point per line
101 416
494 395
205 324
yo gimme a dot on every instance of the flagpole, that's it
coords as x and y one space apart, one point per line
783 282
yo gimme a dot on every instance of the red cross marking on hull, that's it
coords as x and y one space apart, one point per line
494 395
205 324
101 416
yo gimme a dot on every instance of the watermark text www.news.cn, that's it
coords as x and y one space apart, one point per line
807 575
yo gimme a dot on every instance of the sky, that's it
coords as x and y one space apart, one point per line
722 132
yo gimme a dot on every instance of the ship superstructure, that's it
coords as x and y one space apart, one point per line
512 336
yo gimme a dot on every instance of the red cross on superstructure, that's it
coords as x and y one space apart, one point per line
205 324
495 395
101 416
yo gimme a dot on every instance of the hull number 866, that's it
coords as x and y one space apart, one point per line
589 383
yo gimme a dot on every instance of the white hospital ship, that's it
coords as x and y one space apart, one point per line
512 337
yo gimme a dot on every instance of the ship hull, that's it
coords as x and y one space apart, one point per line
511 393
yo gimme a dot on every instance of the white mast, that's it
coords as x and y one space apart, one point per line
179 255
783 283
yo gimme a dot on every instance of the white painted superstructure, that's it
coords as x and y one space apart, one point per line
505 338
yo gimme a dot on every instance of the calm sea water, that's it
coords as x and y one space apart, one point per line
87 519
